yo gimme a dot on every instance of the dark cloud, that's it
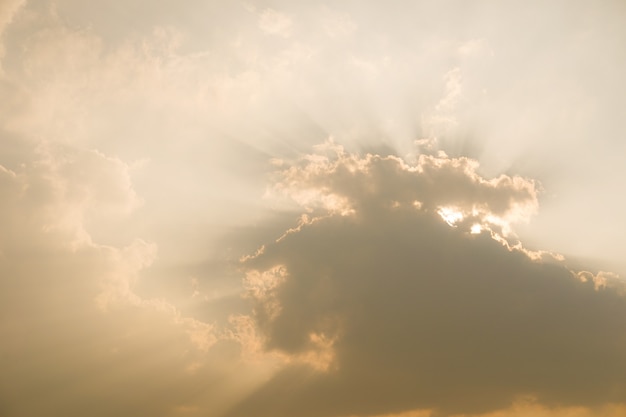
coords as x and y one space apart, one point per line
397 310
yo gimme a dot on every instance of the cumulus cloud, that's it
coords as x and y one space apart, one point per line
349 183
407 311
135 135
78 338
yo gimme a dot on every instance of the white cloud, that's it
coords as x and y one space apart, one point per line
80 335
453 91
275 23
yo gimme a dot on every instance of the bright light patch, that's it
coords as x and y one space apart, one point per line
450 215
503 224
476 229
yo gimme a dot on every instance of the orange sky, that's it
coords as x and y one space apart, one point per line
300 208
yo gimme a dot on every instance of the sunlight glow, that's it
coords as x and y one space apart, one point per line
450 215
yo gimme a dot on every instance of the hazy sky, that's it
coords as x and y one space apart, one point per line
308 209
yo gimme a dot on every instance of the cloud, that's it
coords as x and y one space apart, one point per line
8 9
77 335
415 313
338 25
346 182
275 23
134 135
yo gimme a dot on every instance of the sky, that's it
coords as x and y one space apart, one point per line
314 209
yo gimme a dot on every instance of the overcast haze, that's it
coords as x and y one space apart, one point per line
298 208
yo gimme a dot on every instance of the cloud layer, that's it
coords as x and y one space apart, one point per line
398 310
77 337
136 142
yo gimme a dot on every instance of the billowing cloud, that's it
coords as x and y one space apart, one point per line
77 337
136 141
399 308
347 182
